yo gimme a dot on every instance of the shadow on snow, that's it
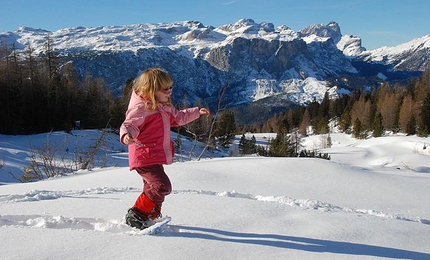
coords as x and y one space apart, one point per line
295 243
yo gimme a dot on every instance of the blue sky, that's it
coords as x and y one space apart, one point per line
377 22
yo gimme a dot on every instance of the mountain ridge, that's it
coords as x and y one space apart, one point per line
256 60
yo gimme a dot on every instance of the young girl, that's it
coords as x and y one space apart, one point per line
146 131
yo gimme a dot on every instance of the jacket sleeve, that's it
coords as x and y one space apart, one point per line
184 116
133 119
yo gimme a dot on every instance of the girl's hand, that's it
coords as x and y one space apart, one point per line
204 111
128 139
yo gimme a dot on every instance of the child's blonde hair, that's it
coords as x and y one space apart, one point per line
151 81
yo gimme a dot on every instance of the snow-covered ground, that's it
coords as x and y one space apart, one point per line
371 200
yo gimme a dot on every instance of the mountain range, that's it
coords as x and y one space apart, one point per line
265 68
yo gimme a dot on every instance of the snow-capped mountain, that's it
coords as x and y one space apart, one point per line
350 45
257 61
410 56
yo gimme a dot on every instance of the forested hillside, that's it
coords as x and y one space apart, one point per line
396 108
40 94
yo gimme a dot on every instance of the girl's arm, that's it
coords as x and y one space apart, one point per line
185 116
130 127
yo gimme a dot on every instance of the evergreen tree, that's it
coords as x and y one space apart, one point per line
324 108
120 106
306 122
322 126
242 144
278 145
226 127
12 97
377 125
200 128
423 131
345 121
285 145
422 86
358 130
425 112
247 146
252 145
262 151
411 126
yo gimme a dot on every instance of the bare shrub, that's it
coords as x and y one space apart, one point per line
52 159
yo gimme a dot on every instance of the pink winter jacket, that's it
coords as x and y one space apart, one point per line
151 131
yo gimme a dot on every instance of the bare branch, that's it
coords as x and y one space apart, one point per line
220 108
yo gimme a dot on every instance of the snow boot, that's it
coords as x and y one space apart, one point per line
148 207
143 213
156 212
138 219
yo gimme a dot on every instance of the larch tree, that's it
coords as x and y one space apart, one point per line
306 122
407 111
362 110
387 105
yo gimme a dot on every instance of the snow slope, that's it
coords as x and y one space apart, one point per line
401 54
370 201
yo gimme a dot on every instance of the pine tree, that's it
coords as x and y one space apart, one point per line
252 145
120 106
226 127
358 130
411 126
422 86
12 97
306 121
425 113
378 130
324 108
345 120
278 145
242 144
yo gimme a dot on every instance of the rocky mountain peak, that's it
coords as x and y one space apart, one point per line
247 26
331 30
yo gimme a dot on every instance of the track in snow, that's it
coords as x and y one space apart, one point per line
118 226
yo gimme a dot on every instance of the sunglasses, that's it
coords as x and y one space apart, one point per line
167 91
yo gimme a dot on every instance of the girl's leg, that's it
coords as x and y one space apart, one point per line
156 187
